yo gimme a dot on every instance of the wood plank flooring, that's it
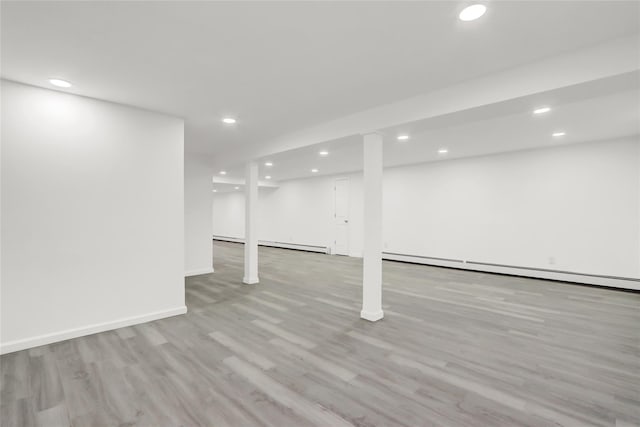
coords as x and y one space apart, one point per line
455 348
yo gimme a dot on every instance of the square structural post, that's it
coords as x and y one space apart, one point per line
372 253
250 224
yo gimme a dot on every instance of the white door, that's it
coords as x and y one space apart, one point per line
341 216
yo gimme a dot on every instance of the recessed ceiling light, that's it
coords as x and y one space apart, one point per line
473 12
443 151
314 170
268 164
215 191
541 110
59 83
237 188
267 177
324 153
223 172
229 120
403 137
558 134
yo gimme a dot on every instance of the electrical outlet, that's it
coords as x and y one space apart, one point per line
552 260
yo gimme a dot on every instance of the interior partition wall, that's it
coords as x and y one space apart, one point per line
92 216
569 212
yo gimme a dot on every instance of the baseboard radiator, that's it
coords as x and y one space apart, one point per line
539 273
295 246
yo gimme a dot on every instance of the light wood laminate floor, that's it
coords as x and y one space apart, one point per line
455 348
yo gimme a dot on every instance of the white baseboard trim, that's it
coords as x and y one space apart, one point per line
299 247
198 271
538 273
250 280
563 276
229 239
17 345
296 246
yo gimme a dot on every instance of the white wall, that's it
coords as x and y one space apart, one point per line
572 208
228 214
197 212
92 216
298 211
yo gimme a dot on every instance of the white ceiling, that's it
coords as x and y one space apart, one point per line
283 66
593 111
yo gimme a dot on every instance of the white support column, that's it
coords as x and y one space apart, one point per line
372 262
250 224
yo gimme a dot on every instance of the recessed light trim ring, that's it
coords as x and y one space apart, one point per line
472 12
59 82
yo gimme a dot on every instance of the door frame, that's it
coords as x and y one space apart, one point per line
346 222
